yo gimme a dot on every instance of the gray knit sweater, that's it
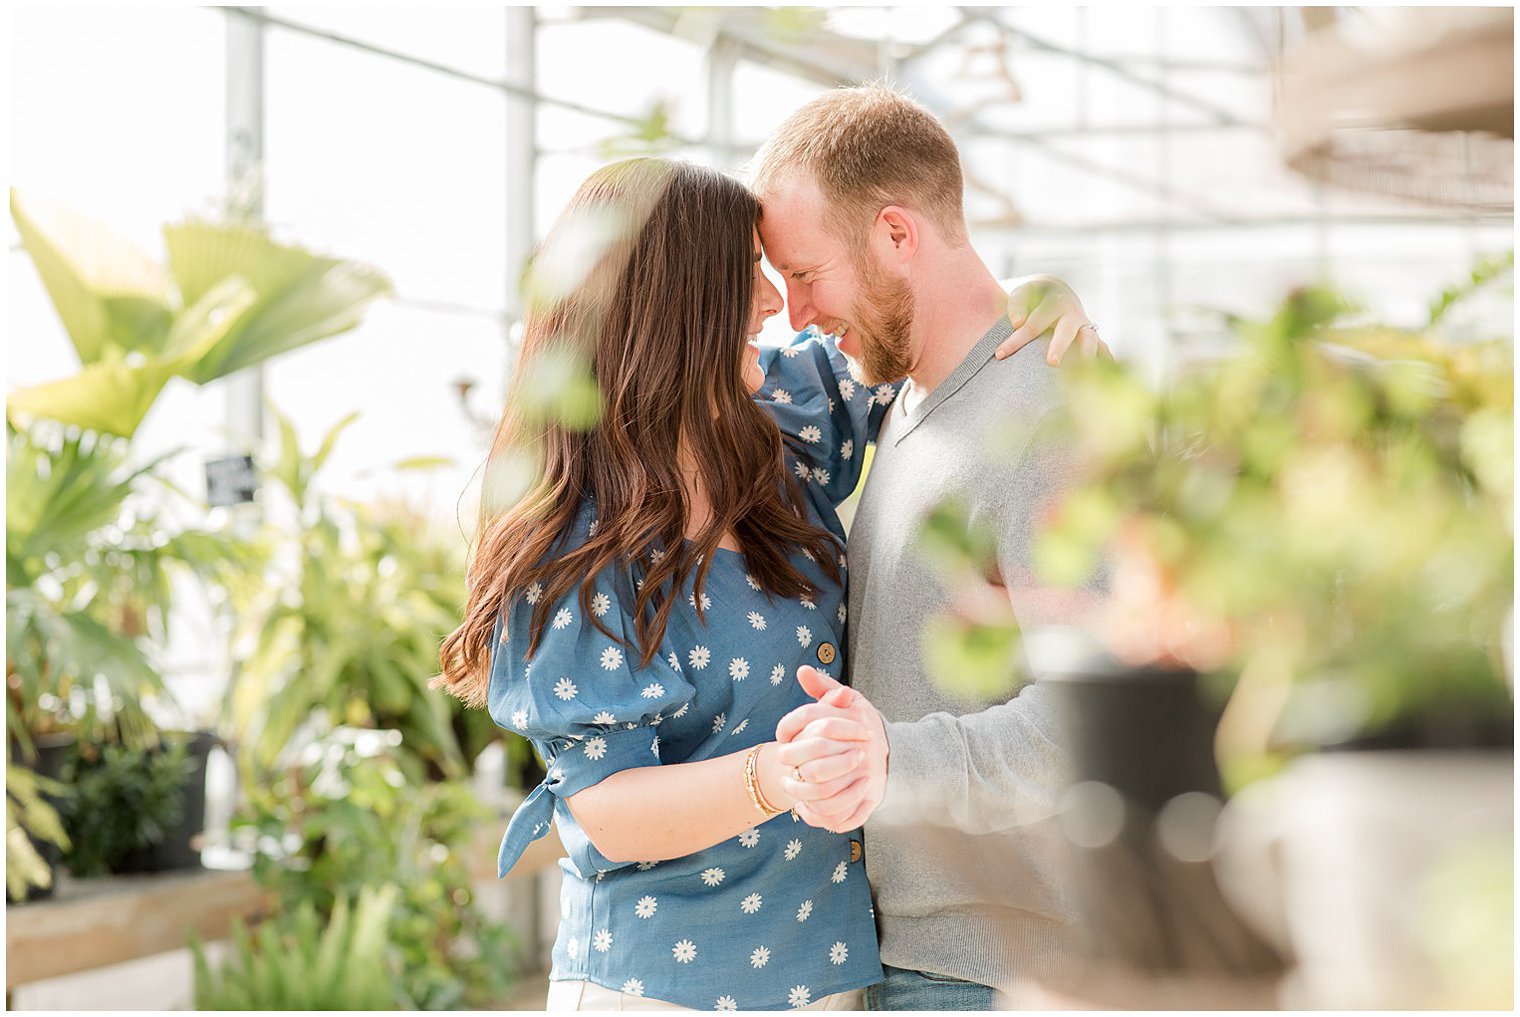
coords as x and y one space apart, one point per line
965 855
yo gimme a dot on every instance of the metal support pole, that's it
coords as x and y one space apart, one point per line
522 151
722 58
245 187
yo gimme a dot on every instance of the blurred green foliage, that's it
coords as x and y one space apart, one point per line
303 962
1332 503
229 297
1324 512
344 627
29 818
349 815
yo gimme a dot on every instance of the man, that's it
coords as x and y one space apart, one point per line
862 215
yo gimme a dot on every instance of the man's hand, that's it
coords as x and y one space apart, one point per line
839 746
1041 302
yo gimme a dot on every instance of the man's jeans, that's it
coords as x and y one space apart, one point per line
921 990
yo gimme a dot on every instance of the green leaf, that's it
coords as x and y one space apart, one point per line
111 395
302 297
108 294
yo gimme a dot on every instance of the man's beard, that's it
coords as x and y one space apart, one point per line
882 321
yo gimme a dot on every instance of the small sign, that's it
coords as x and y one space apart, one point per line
230 480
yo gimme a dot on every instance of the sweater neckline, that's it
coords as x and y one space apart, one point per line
967 369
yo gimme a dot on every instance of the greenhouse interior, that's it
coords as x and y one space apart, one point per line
271 273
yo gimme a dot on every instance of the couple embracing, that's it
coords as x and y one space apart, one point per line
733 733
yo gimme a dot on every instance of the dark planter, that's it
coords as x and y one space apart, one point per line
52 751
1142 798
180 848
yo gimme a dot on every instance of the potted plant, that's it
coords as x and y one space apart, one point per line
89 546
1320 519
346 626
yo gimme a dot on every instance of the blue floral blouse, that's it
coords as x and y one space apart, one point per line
781 915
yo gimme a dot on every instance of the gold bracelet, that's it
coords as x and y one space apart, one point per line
752 785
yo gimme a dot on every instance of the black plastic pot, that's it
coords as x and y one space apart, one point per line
1142 796
180 848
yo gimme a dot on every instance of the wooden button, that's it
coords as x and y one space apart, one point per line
854 850
826 653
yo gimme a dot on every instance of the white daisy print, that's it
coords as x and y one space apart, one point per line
675 661
804 636
750 904
738 669
807 602
847 388
726 1003
534 593
840 871
654 690
802 471
757 621
831 407
691 599
596 748
591 529
759 957
565 689
656 556
604 718
751 581
778 674
841 562
713 876
520 719
782 396
633 987
799 997
839 953
847 449
654 746
573 948
805 912
646 866
719 721
793 849
646 906
749 838
884 394
684 952
563 617
742 725
602 941
790 351
681 712
808 555
810 434
842 613
698 657
600 604
612 658
821 475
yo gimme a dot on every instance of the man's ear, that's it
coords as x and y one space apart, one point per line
895 235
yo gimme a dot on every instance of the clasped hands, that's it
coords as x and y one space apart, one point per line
838 746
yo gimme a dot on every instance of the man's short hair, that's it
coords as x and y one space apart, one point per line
869 147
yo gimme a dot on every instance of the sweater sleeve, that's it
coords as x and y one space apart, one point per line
1003 766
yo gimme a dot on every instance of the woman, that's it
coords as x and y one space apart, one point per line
640 614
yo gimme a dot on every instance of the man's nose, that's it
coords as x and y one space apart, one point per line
798 311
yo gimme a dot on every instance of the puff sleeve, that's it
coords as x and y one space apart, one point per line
827 415
581 697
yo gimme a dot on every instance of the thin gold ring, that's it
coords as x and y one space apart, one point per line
797 775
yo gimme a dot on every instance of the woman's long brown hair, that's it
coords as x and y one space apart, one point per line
661 319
